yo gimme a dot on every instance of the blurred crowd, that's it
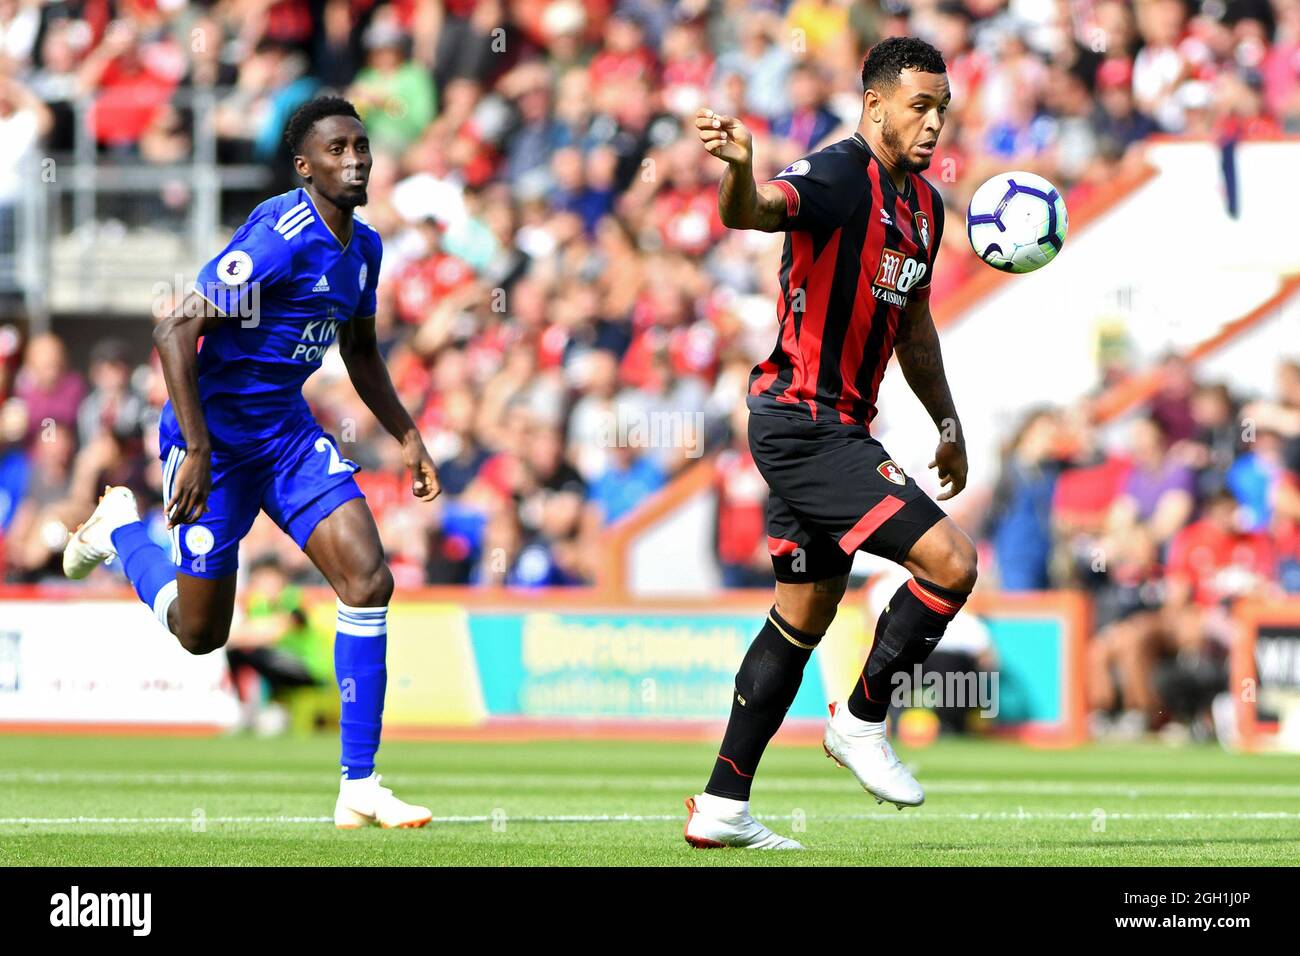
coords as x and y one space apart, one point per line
1187 505
554 260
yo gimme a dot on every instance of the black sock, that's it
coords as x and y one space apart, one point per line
908 630
766 683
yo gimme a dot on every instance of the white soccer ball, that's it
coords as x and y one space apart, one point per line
1017 222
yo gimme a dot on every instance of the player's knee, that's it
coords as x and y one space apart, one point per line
1132 644
958 569
813 617
368 587
202 638
811 607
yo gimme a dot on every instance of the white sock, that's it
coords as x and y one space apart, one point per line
852 724
162 603
716 806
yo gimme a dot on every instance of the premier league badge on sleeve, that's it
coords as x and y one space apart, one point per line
235 267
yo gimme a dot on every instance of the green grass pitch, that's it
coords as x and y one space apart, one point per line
230 801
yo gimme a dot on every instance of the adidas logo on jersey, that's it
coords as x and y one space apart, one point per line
323 285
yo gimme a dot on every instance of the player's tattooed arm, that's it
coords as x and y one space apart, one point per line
921 359
919 355
359 347
746 205
742 203
768 209
177 340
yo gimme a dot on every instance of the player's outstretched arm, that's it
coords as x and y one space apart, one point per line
919 356
742 203
177 340
360 350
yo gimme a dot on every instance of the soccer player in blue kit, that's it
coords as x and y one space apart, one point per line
237 436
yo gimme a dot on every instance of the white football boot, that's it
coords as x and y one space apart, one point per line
863 748
716 822
92 543
363 802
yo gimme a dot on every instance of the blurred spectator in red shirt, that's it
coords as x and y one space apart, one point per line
688 68
686 210
1086 492
1281 68
740 530
427 281
132 80
624 55
1213 561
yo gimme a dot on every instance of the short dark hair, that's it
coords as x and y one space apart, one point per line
1220 495
311 113
265 561
890 57
110 352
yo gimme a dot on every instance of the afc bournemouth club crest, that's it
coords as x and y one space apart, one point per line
922 229
891 471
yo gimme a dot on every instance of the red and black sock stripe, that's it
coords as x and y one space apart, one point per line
909 628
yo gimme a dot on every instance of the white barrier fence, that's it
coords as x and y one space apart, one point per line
104 662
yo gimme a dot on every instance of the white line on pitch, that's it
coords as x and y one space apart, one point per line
997 816
41 821
974 785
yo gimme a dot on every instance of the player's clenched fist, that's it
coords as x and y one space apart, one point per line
725 137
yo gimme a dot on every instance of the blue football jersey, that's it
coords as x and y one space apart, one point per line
286 282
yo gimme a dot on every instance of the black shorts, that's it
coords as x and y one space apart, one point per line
834 491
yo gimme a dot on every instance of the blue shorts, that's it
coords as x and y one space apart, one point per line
297 477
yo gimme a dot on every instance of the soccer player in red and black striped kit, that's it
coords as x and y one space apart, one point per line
862 232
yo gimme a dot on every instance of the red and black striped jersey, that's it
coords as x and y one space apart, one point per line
856 252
